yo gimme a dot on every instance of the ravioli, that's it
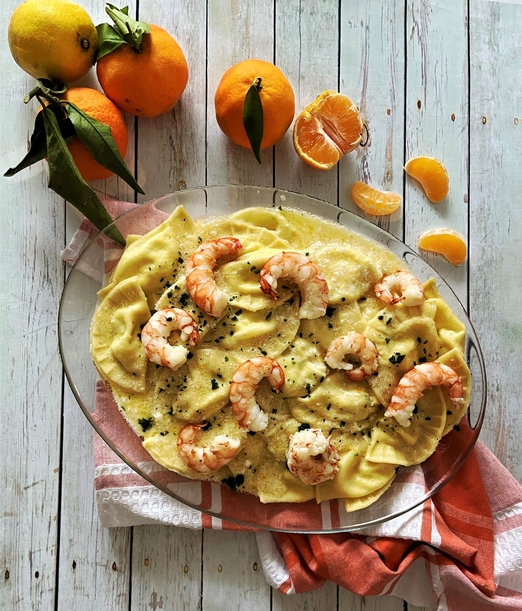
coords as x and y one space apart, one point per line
159 403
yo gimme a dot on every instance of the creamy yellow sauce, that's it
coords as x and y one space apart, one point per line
158 402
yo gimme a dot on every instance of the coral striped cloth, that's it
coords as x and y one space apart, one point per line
460 550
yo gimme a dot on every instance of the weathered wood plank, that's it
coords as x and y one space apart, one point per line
31 376
324 598
166 568
352 602
495 220
372 72
232 574
436 122
308 58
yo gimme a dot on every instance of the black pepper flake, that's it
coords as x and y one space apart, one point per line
214 383
330 311
389 321
303 426
456 428
427 418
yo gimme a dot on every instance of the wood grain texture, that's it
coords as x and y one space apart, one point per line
31 377
306 42
436 122
166 568
495 220
426 85
372 73
232 574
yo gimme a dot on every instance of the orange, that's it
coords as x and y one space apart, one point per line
431 174
277 99
327 129
147 83
445 242
373 201
95 104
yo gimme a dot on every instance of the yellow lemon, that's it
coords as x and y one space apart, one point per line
53 39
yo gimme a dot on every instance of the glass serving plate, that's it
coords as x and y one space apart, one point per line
78 303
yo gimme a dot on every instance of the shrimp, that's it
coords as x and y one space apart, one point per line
419 379
201 283
206 458
358 346
243 388
306 274
400 287
155 334
311 457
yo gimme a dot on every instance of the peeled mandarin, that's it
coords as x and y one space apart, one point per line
327 129
431 174
445 242
375 202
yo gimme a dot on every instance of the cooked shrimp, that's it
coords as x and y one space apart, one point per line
400 287
206 458
243 388
201 283
155 335
306 274
358 346
419 379
311 457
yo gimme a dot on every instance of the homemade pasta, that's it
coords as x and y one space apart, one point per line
279 354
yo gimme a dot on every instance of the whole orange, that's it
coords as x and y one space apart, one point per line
98 106
277 99
145 83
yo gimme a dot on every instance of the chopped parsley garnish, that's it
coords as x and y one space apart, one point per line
145 423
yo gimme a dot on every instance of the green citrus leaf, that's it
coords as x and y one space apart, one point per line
253 117
38 143
97 137
132 31
109 39
66 180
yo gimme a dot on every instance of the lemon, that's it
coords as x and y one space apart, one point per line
53 39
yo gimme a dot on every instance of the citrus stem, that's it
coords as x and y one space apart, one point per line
257 83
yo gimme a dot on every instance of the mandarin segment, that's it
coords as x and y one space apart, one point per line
373 201
431 174
446 242
327 129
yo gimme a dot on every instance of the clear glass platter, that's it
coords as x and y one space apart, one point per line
79 301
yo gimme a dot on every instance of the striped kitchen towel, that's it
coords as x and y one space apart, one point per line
460 550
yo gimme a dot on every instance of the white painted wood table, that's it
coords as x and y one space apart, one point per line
441 78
